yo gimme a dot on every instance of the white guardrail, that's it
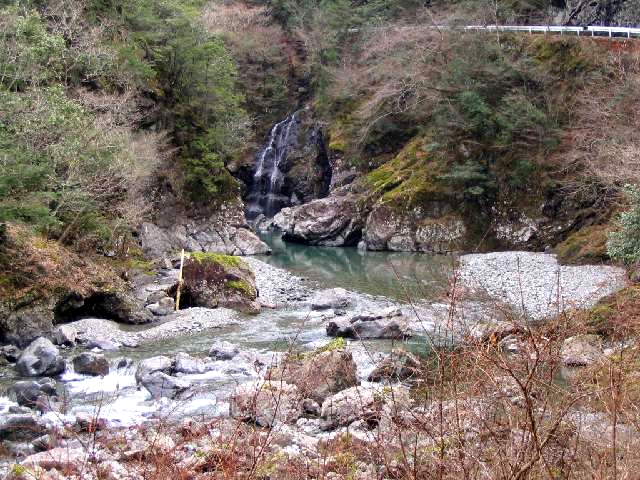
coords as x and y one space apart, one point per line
611 32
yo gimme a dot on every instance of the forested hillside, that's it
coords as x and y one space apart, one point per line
106 105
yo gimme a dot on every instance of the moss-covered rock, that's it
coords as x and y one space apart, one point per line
585 246
214 280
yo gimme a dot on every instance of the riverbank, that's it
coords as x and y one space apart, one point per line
297 321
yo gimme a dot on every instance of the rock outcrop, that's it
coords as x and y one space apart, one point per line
47 284
333 222
623 13
213 280
223 231
389 228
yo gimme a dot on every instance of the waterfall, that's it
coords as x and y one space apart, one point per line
266 196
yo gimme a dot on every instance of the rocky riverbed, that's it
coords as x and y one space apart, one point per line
212 363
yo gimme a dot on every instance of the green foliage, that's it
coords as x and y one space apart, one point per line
30 55
206 177
472 179
196 82
335 344
624 244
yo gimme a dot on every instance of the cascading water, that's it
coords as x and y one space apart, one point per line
266 196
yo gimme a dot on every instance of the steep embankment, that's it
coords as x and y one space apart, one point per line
472 142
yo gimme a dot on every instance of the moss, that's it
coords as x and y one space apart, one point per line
335 344
411 178
228 261
617 315
586 245
242 286
564 56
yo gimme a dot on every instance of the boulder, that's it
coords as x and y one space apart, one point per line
159 384
265 402
155 296
10 352
89 363
492 331
359 327
61 458
398 366
64 335
361 403
331 298
185 363
581 350
319 375
40 358
103 344
29 393
332 221
223 351
163 307
212 280
21 427
159 363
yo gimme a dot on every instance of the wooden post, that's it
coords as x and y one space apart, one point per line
179 281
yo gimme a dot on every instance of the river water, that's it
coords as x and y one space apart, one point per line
377 280
399 276
382 279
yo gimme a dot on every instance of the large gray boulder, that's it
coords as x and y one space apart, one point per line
40 358
223 229
361 403
160 385
400 365
21 427
89 363
159 363
223 351
29 392
333 221
187 364
64 335
319 375
386 324
331 298
266 402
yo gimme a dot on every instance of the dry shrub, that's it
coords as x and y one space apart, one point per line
224 17
601 148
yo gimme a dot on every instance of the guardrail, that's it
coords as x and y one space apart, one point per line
611 32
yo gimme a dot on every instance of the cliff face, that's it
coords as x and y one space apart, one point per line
621 13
